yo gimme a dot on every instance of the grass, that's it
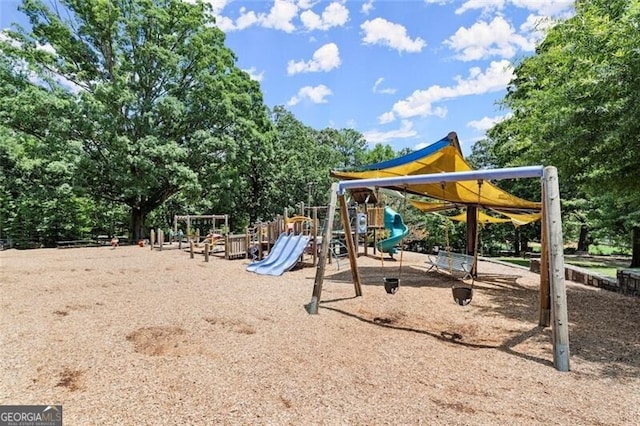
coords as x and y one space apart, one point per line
602 268
594 249
515 260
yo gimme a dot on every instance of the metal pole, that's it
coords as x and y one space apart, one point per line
506 173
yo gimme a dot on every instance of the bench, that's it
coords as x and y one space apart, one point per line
74 243
453 263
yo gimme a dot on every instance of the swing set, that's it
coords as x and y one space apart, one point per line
552 285
453 263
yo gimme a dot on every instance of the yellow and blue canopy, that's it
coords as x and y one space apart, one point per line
442 156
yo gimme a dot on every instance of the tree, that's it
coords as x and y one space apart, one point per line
304 158
575 103
144 90
349 145
38 203
378 153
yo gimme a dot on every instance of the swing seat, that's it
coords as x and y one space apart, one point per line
462 294
453 263
391 285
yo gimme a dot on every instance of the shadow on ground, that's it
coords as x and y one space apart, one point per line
603 326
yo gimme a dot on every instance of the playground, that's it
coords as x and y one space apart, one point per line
139 336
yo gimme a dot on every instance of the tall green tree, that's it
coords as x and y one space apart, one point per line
575 104
38 201
379 153
349 145
304 157
144 90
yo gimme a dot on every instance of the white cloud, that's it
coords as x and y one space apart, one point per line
246 19
485 123
224 23
380 31
386 117
334 15
421 102
315 94
306 4
325 59
367 7
257 76
484 40
554 8
384 91
405 131
280 16
485 5
535 27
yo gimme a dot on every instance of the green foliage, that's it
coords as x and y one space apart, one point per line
117 115
38 203
147 93
575 105
378 153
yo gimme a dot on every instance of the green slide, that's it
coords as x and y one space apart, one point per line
393 222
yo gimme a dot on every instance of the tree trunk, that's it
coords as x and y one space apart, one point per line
635 250
524 245
583 240
138 217
516 241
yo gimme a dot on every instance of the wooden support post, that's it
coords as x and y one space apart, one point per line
545 293
160 238
191 249
314 246
206 251
351 249
197 237
152 238
312 306
560 320
366 234
356 233
175 225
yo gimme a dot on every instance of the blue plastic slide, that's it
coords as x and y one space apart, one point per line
278 247
393 222
287 258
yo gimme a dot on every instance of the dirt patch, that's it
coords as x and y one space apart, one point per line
158 340
71 379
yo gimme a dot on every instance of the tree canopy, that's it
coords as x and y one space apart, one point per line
144 92
575 105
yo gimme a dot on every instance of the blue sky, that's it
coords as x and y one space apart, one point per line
403 73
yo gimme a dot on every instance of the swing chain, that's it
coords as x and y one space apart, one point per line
477 236
446 233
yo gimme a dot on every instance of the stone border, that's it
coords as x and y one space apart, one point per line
628 282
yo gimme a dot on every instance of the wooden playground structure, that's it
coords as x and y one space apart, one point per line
255 243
